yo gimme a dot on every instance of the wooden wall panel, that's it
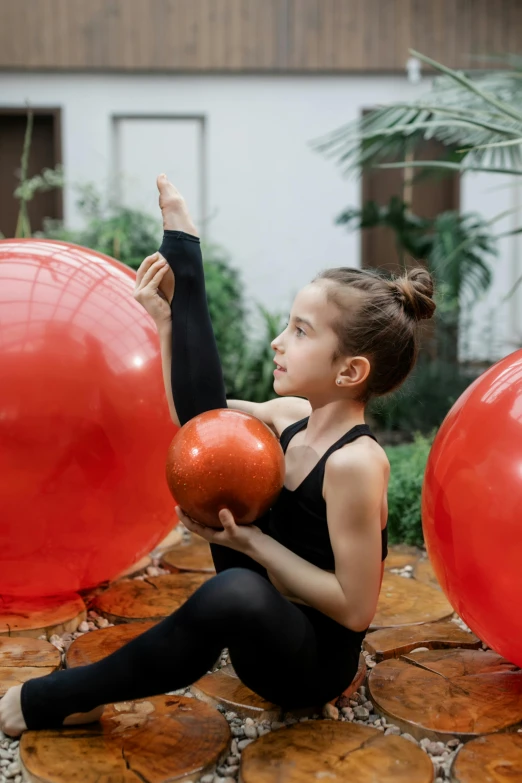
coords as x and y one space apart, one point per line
252 35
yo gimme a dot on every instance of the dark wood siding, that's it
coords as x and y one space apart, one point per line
45 153
252 35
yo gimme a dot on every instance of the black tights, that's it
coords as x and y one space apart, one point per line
288 653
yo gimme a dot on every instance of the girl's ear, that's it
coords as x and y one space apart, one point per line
356 371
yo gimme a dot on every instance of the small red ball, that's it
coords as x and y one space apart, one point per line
225 459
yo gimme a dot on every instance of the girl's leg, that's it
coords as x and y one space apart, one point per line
197 378
272 640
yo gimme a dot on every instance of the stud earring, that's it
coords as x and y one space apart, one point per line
339 381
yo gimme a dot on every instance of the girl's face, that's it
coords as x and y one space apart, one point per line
305 348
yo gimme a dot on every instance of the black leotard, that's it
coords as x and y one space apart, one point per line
288 653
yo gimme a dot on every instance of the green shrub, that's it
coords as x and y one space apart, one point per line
408 464
421 404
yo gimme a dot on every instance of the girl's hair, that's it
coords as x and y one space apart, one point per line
376 316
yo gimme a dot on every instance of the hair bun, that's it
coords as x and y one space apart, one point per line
415 292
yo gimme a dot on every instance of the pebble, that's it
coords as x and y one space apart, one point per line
277 725
233 748
242 745
330 712
409 738
250 732
207 779
348 713
237 731
262 730
361 712
230 715
83 627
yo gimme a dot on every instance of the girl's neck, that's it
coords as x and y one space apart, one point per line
333 418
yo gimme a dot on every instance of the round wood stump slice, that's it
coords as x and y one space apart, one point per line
22 658
400 556
174 538
333 751
424 572
224 687
36 616
134 569
344 699
446 694
405 601
191 555
392 642
150 599
155 740
495 758
95 645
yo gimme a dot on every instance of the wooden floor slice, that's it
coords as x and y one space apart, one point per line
424 572
174 538
155 740
149 599
445 694
333 751
36 616
400 556
224 687
191 555
495 758
409 602
94 646
141 565
23 658
392 642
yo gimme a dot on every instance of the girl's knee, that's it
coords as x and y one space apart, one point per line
237 591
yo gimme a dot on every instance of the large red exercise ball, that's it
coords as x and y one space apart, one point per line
84 423
225 459
472 507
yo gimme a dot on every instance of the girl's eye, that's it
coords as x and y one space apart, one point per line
298 329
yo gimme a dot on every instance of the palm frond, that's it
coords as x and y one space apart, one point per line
473 113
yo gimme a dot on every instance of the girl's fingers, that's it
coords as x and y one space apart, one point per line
145 264
151 272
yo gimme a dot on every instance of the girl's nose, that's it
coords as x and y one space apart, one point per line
276 343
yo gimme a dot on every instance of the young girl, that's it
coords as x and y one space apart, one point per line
294 593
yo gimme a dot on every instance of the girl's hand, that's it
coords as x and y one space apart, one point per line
154 286
238 537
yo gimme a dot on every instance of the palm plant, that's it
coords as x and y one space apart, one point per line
474 116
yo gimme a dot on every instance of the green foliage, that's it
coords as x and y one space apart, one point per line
456 248
408 465
122 233
474 115
255 377
425 398
227 312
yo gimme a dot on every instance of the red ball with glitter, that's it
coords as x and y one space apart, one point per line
225 459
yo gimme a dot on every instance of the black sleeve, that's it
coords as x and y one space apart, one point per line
196 375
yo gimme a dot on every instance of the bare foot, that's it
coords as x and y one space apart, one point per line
174 210
12 720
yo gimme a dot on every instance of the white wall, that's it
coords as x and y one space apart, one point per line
269 199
